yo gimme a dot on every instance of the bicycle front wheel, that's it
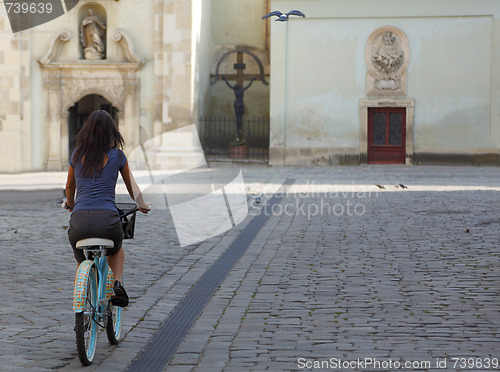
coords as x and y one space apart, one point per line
86 325
114 323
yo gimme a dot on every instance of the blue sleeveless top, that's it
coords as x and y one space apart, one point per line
98 192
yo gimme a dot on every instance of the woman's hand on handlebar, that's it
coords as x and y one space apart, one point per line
66 206
145 209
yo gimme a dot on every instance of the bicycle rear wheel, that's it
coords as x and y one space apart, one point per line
86 325
114 323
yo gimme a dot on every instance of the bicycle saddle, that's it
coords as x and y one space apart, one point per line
92 242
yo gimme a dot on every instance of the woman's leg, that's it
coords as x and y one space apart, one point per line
117 262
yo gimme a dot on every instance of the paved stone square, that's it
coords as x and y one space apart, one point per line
341 271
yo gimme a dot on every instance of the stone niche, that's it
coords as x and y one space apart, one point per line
67 82
387 56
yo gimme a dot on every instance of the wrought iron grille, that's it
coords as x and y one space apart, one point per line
217 133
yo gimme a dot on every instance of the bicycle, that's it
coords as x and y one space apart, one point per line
94 288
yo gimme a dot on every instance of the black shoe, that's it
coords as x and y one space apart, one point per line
120 298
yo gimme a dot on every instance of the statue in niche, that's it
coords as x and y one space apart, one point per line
389 57
92 31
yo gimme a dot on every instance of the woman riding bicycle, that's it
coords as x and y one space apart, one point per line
93 171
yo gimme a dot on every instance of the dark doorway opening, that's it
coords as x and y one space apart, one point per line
79 113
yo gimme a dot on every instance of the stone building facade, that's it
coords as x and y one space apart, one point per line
351 83
386 82
154 76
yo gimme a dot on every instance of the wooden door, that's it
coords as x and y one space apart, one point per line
386 135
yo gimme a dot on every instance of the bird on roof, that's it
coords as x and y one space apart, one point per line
284 17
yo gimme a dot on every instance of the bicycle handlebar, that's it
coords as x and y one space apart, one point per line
133 210
125 214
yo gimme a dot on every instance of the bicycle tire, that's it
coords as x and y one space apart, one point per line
114 323
85 325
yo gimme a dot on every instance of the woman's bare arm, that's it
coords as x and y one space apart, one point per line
133 189
70 188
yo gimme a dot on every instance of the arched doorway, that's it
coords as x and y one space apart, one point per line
80 111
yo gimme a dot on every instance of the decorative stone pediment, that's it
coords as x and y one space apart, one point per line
74 79
387 57
66 82
128 51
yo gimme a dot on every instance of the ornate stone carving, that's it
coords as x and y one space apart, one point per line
128 51
66 82
54 47
387 57
92 32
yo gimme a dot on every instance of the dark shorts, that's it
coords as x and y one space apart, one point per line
95 224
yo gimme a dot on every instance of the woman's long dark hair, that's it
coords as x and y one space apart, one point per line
98 135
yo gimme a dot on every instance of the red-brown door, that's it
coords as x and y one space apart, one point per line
386 135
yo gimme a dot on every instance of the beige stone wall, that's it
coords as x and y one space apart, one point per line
202 53
160 32
15 102
173 68
239 24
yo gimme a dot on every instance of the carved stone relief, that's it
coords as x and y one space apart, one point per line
67 82
387 56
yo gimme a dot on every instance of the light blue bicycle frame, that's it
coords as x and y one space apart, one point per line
98 315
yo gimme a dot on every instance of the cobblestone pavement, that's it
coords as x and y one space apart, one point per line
406 278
